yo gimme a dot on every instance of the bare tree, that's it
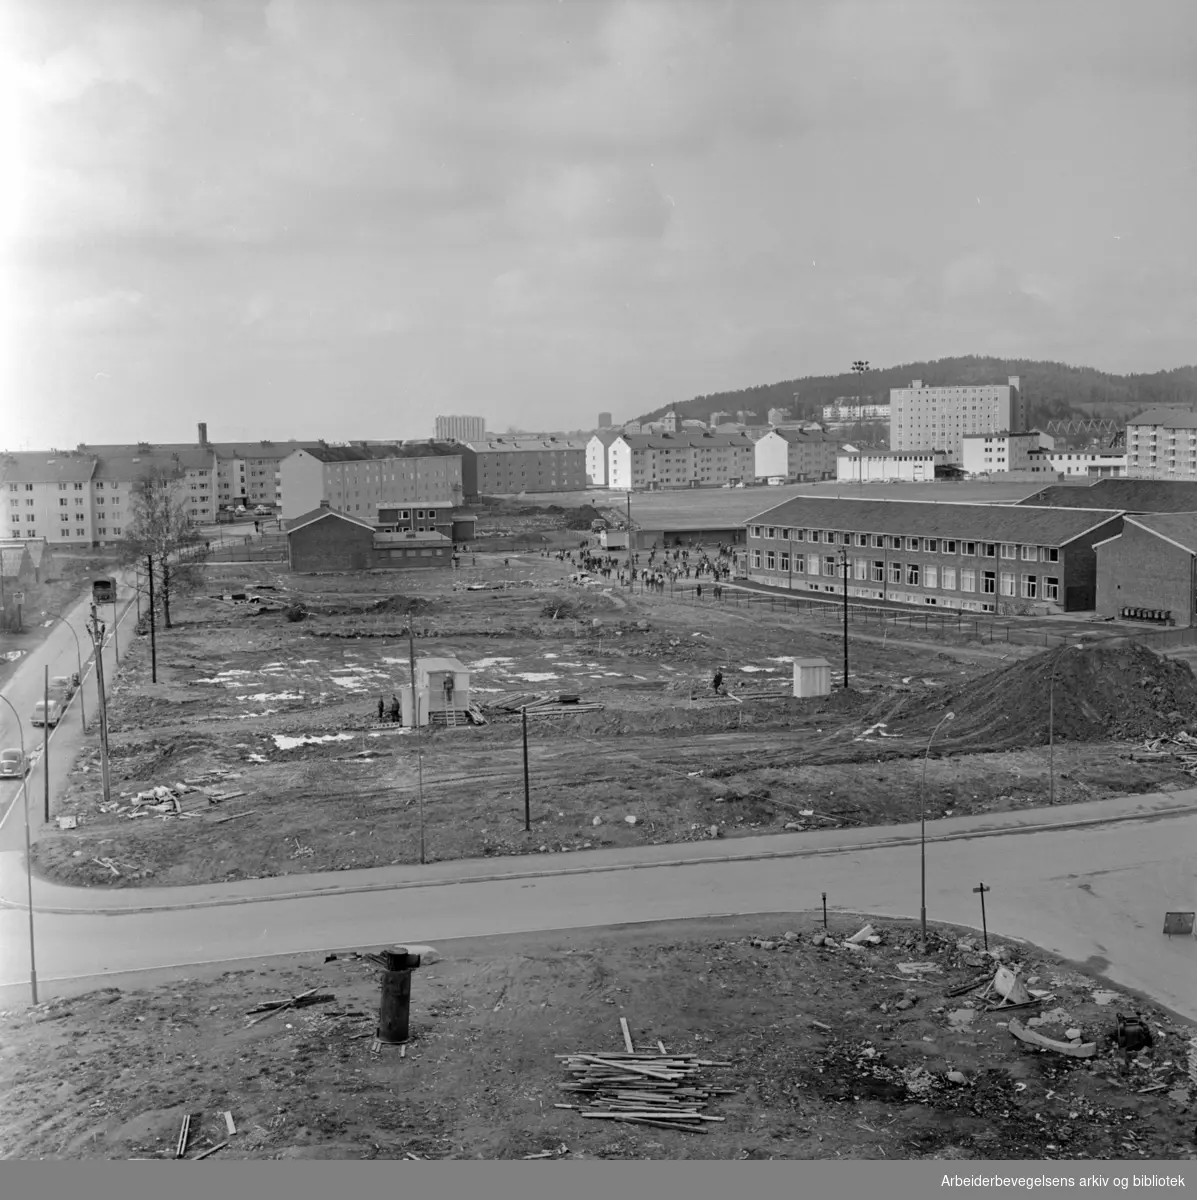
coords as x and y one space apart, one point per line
161 532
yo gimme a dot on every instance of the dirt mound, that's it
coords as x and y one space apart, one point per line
403 604
1107 692
582 517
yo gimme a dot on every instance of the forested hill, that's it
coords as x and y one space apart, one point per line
1051 389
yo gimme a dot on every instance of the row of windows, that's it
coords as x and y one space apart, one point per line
913 574
925 545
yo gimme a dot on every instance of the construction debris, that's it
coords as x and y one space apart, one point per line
211 1150
1074 1049
184 1134
303 1000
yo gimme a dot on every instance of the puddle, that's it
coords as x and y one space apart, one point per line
283 742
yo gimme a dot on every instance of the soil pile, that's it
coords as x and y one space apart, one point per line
1101 693
403 604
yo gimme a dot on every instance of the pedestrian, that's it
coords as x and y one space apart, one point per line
717 682
394 708
699 591
381 708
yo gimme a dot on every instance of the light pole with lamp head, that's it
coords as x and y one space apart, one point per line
923 828
28 849
79 662
859 367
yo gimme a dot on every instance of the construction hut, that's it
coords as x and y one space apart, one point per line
442 693
812 677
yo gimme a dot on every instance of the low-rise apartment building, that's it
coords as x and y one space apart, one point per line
673 460
512 466
888 466
1161 443
1093 464
796 454
596 456
1149 569
967 557
357 479
994 453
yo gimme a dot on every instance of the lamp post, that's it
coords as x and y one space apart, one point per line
844 556
28 851
1051 738
96 629
79 662
859 367
923 828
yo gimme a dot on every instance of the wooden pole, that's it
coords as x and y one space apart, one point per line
527 786
415 720
153 643
984 927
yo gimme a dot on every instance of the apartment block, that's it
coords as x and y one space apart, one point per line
1161 443
922 416
963 557
845 412
596 456
667 460
358 478
1092 464
460 429
795 454
993 453
888 466
511 466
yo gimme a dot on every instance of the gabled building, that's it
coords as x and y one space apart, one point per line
596 457
327 540
796 454
888 466
47 495
670 460
1148 571
1161 443
512 466
966 557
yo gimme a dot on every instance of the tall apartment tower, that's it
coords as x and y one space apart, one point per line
460 429
604 421
937 418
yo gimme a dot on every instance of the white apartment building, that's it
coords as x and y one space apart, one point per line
454 428
596 456
357 479
1093 464
795 454
1161 443
888 466
847 413
991 453
637 460
942 416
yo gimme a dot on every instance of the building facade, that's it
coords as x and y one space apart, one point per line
1093 464
604 420
1161 443
512 466
596 457
923 416
992 453
795 454
357 479
638 460
888 466
328 540
460 429
1150 566
966 557
844 412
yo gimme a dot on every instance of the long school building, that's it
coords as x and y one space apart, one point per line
968 557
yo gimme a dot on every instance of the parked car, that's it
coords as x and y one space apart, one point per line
261 511
44 714
12 764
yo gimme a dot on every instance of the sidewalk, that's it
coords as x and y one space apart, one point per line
55 898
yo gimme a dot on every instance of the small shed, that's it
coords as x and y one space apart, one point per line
812 677
442 691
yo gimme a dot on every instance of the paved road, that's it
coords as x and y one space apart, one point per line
1095 893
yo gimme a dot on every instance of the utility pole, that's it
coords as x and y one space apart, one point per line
97 635
149 562
631 573
527 789
46 741
844 552
415 721
1051 738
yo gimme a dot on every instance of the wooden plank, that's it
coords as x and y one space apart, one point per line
228 1121
184 1134
283 1007
1085 1050
627 1035
635 1068
218 1146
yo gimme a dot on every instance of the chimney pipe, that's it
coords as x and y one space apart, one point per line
203 434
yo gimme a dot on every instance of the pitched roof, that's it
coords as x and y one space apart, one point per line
803 435
1130 495
126 464
1178 528
1169 418
258 450
318 514
489 445
931 518
47 466
686 440
606 436
370 452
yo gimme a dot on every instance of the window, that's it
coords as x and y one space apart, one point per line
62 503
1030 586
860 568
988 583
756 559
877 573
79 500
756 532
102 531
62 487
862 539
895 543
829 537
1051 554
29 503
912 574
784 561
878 542
800 535
1051 588
1030 553
912 543
1009 550
29 488
771 561
78 487
989 550
66 532
931 545
787 535
930 577
1008 583
969 549
800 564
895 572
949 546
829 564
78 516
968 579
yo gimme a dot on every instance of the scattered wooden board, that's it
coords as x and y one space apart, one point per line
1020 1031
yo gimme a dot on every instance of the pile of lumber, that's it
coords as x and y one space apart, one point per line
1182 746
666 1091
541 704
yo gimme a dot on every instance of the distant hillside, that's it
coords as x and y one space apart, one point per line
1051 389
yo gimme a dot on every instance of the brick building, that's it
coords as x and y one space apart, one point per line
328 540
795 454
510 466
1151 565
970 557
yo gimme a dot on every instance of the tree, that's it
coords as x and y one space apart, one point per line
161 532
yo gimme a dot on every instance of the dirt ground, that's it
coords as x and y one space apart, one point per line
831 1052
268 730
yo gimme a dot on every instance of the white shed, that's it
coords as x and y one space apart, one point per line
442 690
812 677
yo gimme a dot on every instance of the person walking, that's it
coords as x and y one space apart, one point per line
381 708
717 681
394 708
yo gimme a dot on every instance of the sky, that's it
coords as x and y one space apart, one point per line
337 218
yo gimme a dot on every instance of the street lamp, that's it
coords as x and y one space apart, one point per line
79 662
28 851
844 558
923 827
859 367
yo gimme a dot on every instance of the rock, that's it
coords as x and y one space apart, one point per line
904 1004
597 821
957 1077
1073 1034
713 831
973 960
767 945
794 825
790 936
817 940
630 819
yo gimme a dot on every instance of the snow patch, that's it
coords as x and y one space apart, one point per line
262 697
284 742
484 664
536 676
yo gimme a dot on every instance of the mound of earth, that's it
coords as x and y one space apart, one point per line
1100 693
403 604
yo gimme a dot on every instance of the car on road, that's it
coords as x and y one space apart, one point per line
13 764
46 714
261 511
